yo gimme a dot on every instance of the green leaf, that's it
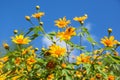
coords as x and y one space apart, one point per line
40 60
52 34
66 74
38 29
75 45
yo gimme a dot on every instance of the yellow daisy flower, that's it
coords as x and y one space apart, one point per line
38 15
31 60
56 51
62 22
17 61
69 32
50 77
111 77
81 19
4 59
109 42
82 59
19 39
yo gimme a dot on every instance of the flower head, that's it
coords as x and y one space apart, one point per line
62 22
38 15
109 42
81 19
4 59
19 39
111 77
69 32
82 59
17 61
56 51
31 60
50 77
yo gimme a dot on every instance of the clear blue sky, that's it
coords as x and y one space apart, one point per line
102 14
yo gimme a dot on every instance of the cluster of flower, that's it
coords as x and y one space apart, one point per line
24 62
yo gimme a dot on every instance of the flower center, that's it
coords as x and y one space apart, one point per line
20 40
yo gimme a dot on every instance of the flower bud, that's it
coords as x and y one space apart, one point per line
43 49
85 15
15 31
63 65
81 22
115 53
36 49
37 7
118 43
6 46
109 30
41 23
27 18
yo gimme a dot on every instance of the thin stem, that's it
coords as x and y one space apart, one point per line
67 52
80 43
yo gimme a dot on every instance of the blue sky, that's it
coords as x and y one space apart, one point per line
102 14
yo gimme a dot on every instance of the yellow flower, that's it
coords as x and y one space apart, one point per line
38 15
69 32
17 61
56 51
25 51
82 59
50 77
81 19
111 77
2 77
109 42
92 78
78 74
63 65
62 22
19 39
4 59
16 77
31 60
29 67
1 65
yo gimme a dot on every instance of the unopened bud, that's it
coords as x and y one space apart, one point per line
37 7
36 49
27 18
118 43
41 23
43 49
86 15
115 53
63 65
15 31
109 30
81 22
6 46
93 43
